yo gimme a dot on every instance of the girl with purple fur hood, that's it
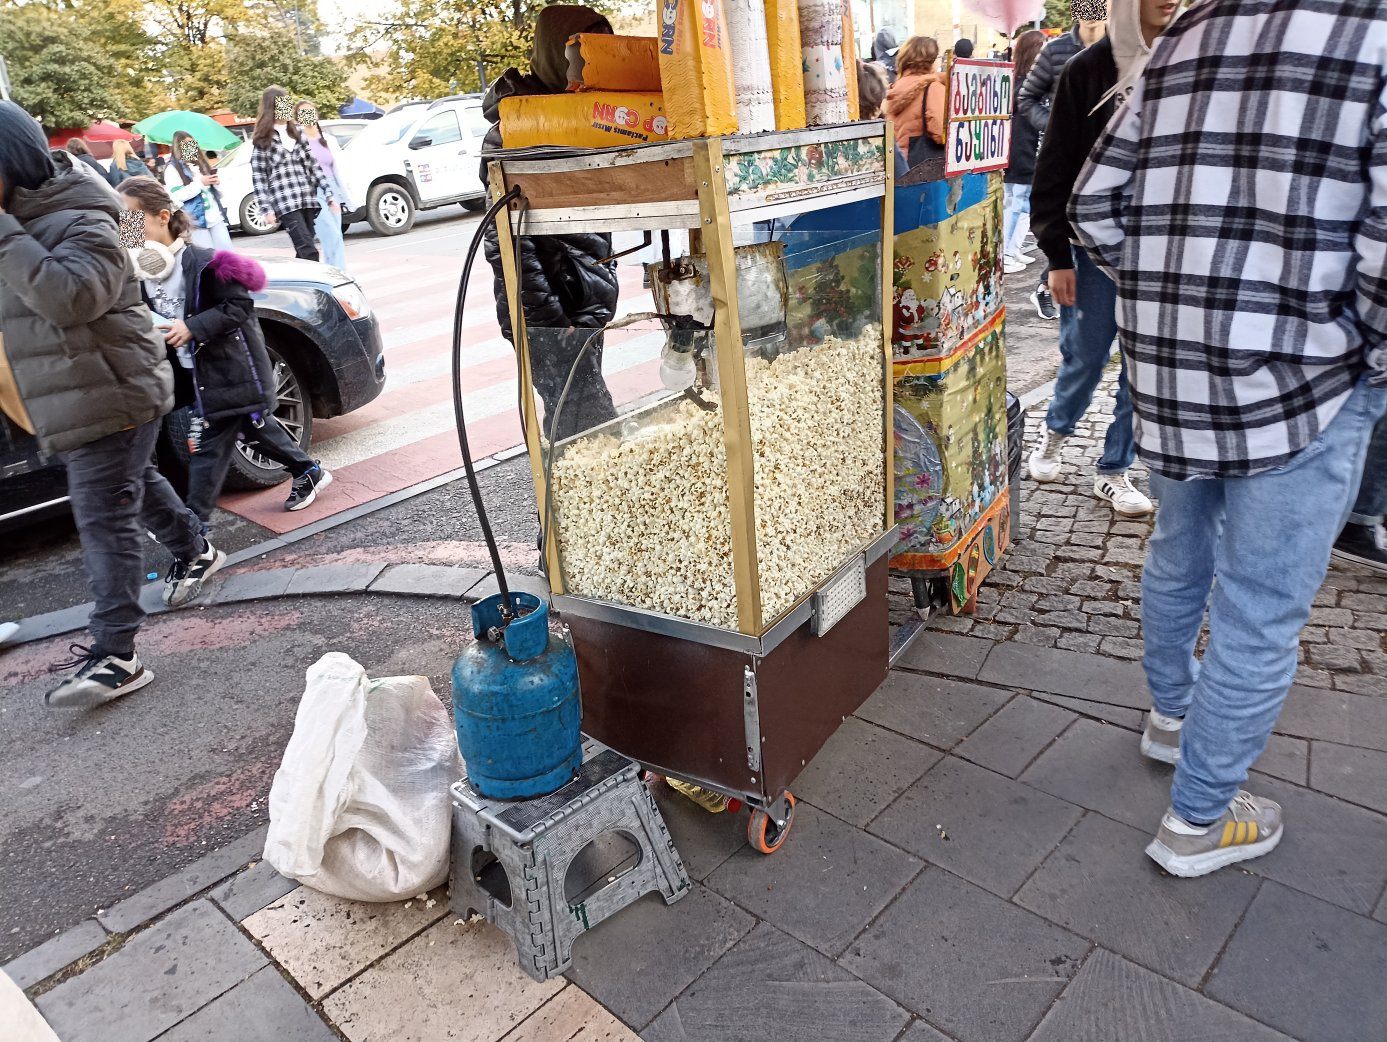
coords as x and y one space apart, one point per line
201 299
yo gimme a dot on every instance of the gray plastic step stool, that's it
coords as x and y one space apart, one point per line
545 870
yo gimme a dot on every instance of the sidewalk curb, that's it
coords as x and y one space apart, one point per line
70 620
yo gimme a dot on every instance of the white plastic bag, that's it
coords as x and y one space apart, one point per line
359 806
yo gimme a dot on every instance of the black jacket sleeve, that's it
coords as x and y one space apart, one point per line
1057 169
234 309
1034 103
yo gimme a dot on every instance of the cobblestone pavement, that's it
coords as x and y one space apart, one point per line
1073 579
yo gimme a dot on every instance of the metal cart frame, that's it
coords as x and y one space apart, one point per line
737 711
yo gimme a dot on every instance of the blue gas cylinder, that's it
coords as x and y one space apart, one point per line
516 702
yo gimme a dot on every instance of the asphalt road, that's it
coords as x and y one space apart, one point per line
100 804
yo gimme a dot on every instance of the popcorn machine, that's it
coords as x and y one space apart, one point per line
718 547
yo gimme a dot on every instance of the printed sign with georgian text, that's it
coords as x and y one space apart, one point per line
977 136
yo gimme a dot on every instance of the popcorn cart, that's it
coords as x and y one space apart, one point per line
718 549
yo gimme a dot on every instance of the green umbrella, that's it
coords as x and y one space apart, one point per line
205 130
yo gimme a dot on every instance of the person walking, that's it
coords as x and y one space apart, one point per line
79 148
125 163
1363 539
570 288
1025 142
94 381
325 153
1084 102
287 181
196 187
1252 276
871 89
916 101
1037 95
201 297
884 54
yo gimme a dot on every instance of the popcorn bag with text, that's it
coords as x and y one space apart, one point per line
591 119
696 68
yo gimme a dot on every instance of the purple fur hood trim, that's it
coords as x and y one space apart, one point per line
237 267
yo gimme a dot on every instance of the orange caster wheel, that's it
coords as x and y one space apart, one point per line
764 833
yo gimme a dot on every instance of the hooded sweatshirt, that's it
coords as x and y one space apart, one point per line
1090 89
884 49
82 346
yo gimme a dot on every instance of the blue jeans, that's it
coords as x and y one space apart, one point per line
1372 494
1266 539
328 227
1087 333
1014 229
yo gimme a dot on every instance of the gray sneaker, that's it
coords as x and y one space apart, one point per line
1161 739
184 581
1250 827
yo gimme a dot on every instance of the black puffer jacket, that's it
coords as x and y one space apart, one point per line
1038 92
568 289
81 343
231 374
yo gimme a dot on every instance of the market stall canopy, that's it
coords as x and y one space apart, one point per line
99 136
360 107
206 131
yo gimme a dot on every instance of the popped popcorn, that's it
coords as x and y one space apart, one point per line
643 520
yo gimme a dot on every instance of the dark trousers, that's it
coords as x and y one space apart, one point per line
553 353
116 494
209 464
299 225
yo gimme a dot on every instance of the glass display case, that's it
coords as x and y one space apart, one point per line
712 466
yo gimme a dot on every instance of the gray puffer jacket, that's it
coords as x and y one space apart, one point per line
80 340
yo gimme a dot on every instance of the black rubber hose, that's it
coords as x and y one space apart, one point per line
507 608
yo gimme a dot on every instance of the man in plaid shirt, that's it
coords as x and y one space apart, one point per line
1239 201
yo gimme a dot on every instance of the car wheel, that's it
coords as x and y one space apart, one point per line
249 469
252 222
390 209
475 204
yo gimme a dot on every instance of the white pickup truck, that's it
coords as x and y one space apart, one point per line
420 155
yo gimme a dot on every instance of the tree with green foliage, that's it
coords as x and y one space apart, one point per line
254 62
1057 15
58 72
438 47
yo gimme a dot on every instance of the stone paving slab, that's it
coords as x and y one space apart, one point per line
1100 883
922 1032
636 962
175 889
936 711
1330 849
247 892
988 971
518 582
455 982
1131 719
1285 758
948 654
1334 716
263 1008
985 827
334 578
571 1016
770 986
1099 767
822 889
1112 1000
1356 775
1069 673
861 769
428 580
323 940
250 586
161 976
1307 968
1015 736
704 840
54 954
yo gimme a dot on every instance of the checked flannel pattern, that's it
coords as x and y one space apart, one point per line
287 179
1239 201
